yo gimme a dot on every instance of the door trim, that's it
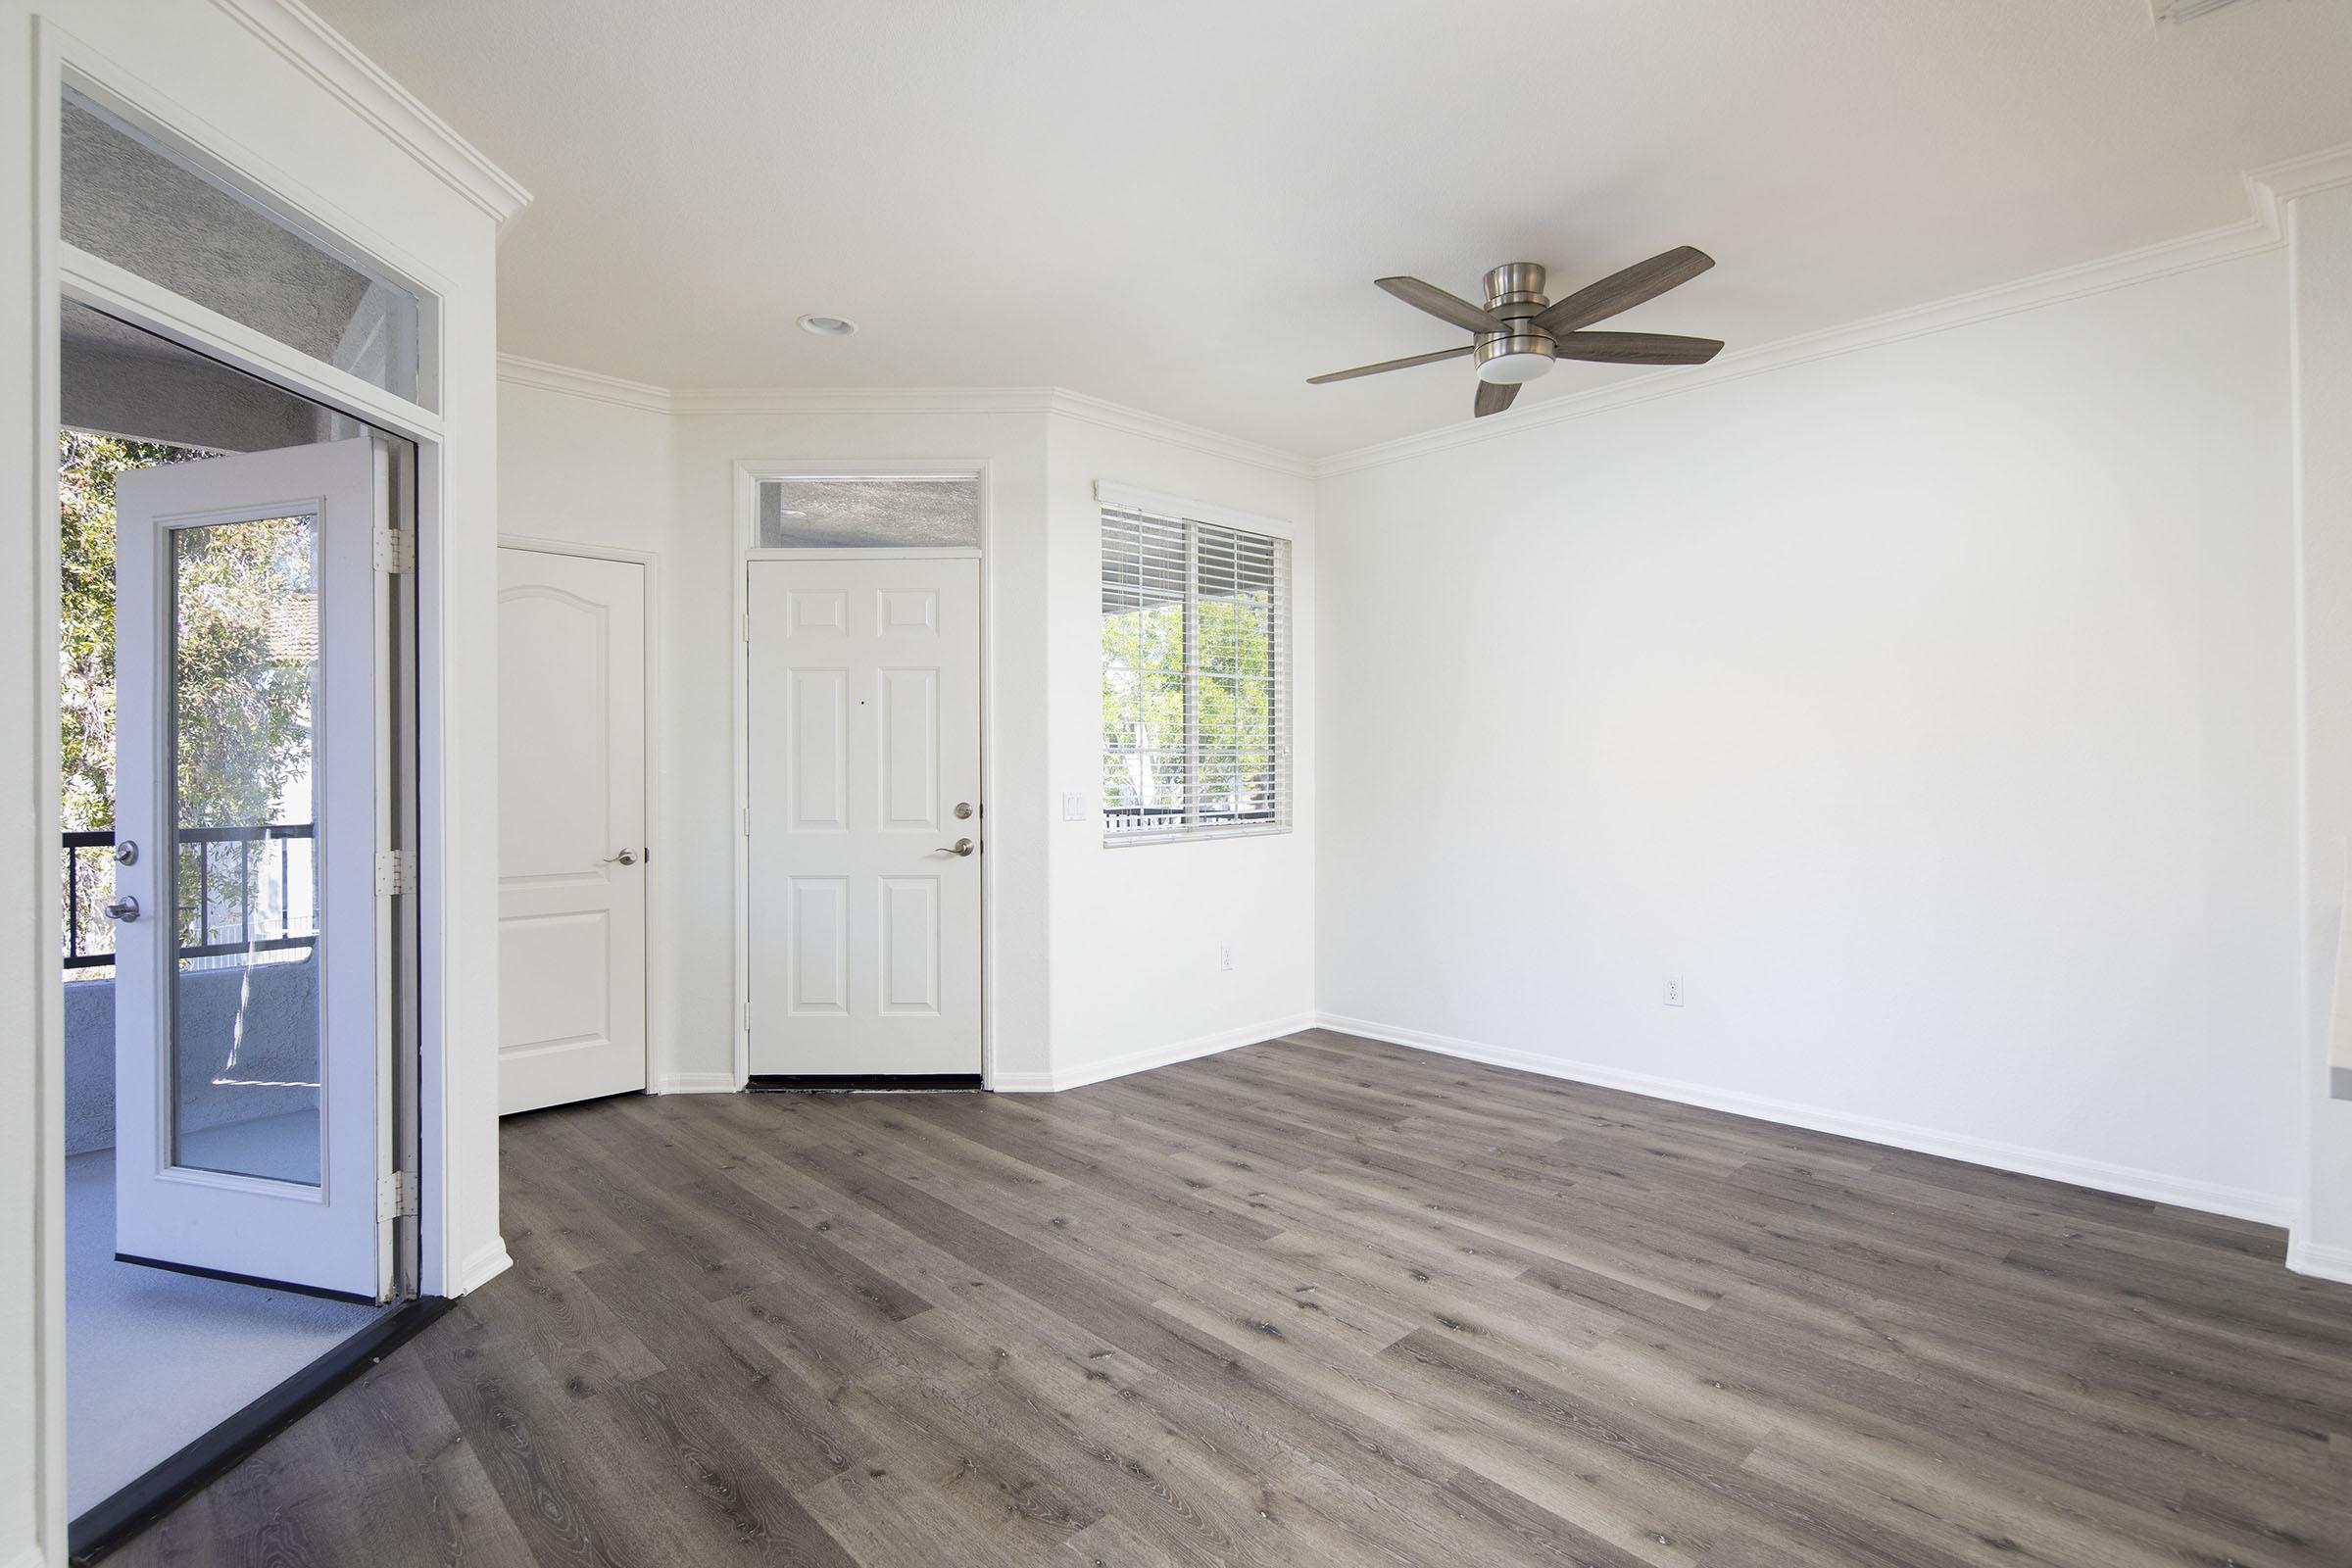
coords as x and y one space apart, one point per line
655 1083
749 472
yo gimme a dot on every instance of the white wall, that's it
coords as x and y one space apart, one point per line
1065 940
1929 710
2320 226
279 104
1146 921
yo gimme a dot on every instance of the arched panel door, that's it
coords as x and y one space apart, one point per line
572 853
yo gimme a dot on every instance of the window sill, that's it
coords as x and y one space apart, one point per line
1121 841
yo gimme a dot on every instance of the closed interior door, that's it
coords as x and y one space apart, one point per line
573 855
863 759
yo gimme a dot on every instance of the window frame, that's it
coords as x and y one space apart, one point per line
1192 517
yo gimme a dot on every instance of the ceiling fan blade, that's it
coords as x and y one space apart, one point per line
1494 397
1441 304
1638 348
1622 291
1389 364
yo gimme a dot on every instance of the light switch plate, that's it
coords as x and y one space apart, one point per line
1073 808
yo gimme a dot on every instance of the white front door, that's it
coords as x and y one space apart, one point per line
864 764
253 776
571 872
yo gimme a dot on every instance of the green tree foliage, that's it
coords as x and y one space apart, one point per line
244 646
1144 698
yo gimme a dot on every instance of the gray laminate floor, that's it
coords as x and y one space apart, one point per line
1318 1302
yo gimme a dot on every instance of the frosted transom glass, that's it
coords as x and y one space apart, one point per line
869 514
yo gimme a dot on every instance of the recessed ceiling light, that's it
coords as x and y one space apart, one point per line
828 325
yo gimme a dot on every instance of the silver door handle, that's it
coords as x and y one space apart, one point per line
124 909
960 846
625 858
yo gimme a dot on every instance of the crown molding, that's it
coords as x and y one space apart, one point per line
2328 169
549 377
303 38
862 399
1175 432
1055 401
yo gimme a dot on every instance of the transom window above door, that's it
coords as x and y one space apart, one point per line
919 511
130 196
1196 676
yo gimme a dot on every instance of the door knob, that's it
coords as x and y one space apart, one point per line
125 908
960 846
625 858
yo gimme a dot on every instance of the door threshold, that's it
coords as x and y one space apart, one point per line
321 1291
103 1526
862 1083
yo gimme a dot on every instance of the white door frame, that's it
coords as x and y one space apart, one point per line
65 272
656 838
748 475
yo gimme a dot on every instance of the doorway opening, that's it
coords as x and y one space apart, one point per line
236 704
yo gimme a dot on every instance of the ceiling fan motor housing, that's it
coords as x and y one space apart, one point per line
1514 292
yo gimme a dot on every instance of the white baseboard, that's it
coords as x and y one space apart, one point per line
2211 1197
483 1264
31 1557
1134 1062
697 1083
2320 1261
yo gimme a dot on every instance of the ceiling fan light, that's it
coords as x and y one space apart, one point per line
1512 369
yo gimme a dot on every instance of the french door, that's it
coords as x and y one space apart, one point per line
863 762
254 766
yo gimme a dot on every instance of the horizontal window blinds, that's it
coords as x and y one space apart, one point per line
1196 677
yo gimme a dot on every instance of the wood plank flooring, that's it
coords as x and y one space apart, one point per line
1321 1302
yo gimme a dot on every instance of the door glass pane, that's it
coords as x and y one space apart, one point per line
129 201
245 1016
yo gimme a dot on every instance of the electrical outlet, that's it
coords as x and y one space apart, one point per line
1073 808
1674 990
1225 955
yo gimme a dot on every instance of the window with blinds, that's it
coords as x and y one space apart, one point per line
1196 679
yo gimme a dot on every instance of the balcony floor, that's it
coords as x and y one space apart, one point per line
156 1359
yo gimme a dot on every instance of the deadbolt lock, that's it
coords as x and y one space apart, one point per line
964 809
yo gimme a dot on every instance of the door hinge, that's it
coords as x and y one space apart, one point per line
396 871
396 1195
746 822
395 550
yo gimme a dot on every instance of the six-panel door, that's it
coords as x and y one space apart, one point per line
863 745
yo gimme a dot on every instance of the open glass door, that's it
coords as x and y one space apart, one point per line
253 1038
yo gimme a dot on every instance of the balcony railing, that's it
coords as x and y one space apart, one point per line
220 912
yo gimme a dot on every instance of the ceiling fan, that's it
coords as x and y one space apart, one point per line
1521 333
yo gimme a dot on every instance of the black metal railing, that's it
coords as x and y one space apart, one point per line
218 908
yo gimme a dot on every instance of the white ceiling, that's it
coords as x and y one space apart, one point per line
1182 205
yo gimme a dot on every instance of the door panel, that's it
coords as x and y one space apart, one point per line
571 805
253 789
865 736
